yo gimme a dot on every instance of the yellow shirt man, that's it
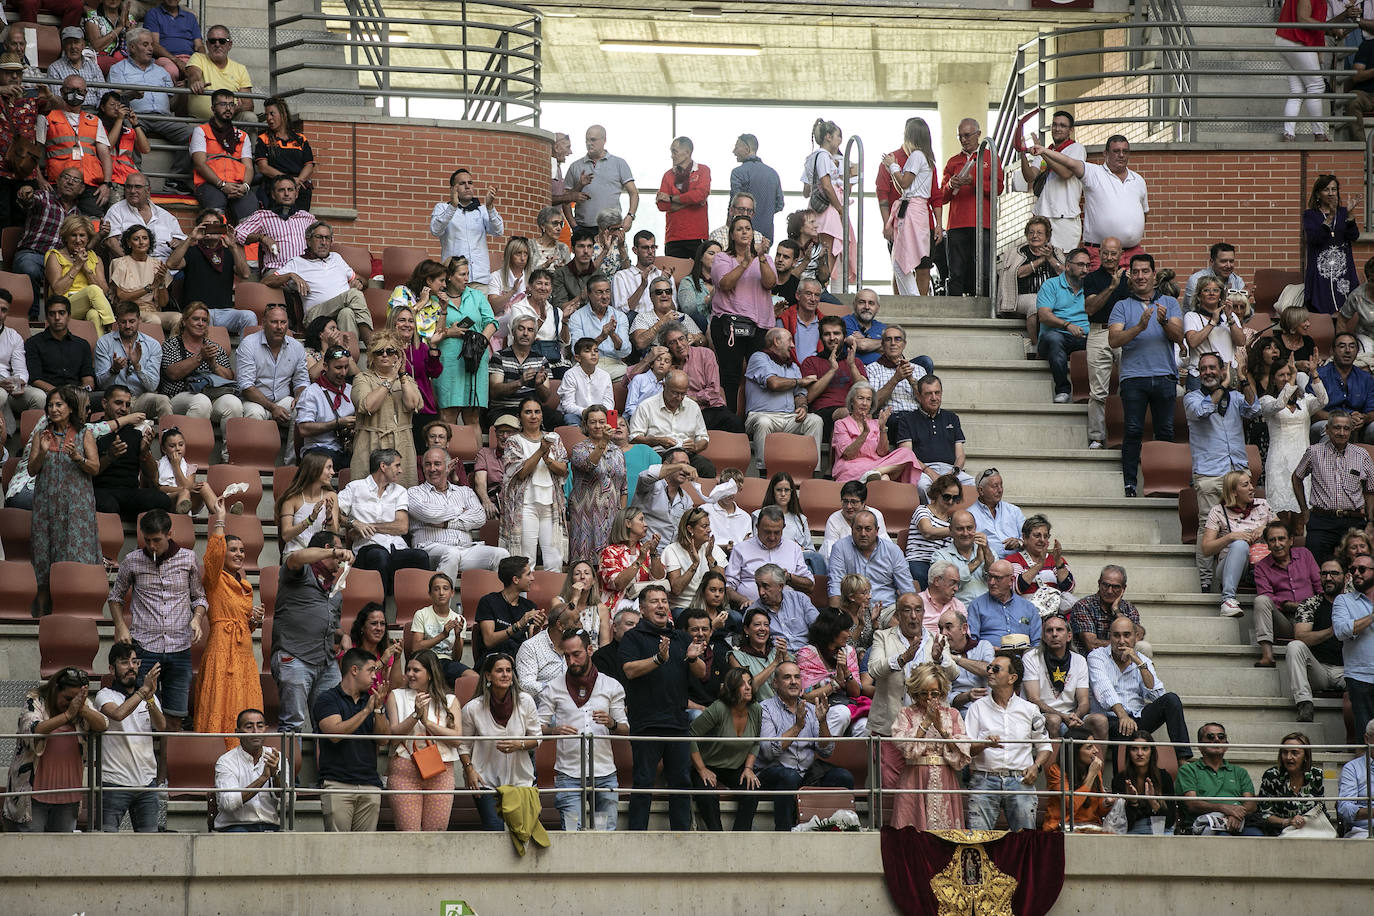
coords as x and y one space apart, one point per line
233 76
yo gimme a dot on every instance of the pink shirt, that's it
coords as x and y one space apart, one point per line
749 299
814 669
930 618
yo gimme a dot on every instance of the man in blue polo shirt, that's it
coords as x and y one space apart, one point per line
1348 387
1145 326
176 31
1063 320
1000 610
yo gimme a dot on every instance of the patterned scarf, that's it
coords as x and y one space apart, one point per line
580 688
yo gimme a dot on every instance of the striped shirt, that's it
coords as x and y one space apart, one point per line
162 596
288 235
447 516
1339 479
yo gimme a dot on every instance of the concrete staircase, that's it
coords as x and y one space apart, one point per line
1004 403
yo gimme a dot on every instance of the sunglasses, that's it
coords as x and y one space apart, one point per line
995 669
988 472
950 497
929 693
387 351
337 353
662 292
218 41
1215 737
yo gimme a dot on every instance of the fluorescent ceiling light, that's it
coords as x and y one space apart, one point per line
677 47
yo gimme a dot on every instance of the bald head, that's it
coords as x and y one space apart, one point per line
999 580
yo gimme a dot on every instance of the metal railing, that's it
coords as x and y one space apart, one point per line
288 790
853 144
496 46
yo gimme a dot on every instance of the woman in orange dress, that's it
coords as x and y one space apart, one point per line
1085 774
228 672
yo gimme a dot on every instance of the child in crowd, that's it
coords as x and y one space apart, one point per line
177 479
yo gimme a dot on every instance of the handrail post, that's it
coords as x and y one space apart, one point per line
983 281
853 141
875 781
272 46
587 795
289 743
1065 802
1368 180
95 768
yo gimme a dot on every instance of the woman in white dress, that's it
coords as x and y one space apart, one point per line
1289 417
823 182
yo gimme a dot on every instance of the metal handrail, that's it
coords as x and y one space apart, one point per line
501 85
990 274
853 142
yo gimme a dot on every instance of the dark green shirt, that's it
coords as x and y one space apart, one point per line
719 722
1195 776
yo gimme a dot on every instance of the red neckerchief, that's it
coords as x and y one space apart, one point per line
580 688
339 394
226 135
682 179
784 361
502 710
1059 148
323 576
213 254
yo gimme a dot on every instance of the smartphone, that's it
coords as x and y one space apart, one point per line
216 229
613 418
466 324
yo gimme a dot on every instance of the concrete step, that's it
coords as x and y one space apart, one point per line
1211 679
1209 632
990 425
897 308
1000 382
954 346
1148 521
1093 472
1147 576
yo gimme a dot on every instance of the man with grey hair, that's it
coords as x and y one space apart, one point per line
775 395
940 594
1355 781
74 62
769 546
1091 617
607 658
880 560
443 518
1000 521
375 511
153 107
741 204
601 177
759 181
790 613
961 172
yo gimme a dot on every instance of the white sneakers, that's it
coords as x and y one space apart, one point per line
1231 608
1093 443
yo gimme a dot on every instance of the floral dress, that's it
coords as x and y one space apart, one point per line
513 492
426 316
615 559
598 492
228 673
1330 261
1276 784
28 756
64 523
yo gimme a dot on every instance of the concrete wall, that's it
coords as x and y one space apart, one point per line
659 873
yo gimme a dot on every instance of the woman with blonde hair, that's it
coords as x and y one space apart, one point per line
509 286
692 554
74 270
1234 530
462 387
933 762
1295 341
908 222
422 362
385 396
1212 326
581 594
629 560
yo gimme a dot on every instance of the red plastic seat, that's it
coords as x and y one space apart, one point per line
358 258
256 297
1187 515
1078 376
220 476
818 498
1270 283
1166 468
377 299
364 586
111 531
474 584
728 450
897 502
571 435
27 421
16 532
18 589
49 41
253 444
547 586
199 433
464 441
191 764
81 327
66 641
79 589
412 593
751 494
398 262
790 452
21 291
183 530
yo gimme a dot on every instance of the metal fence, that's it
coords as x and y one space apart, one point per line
876 797
484 55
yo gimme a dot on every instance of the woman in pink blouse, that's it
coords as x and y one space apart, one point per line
742 306
860 445
829 663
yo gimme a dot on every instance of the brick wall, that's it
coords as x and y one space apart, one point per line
393 173
1252 198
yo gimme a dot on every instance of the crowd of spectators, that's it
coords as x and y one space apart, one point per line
684 614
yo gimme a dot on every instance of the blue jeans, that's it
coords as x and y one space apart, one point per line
778 776
298 684
235 321
569 804
920 571
52 818
1234 559
30 263
982 809
250 828
1156 394
1192 383
142 808
174 683
677 765
489 810
1055 346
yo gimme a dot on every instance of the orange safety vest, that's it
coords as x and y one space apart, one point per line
228 166
122 157
62 141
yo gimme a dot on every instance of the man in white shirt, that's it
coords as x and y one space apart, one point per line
248 801
840 524
14 368
375 511
1058 198
1126 689
1057 682
443 517
539 660
999 521
462 224
138 209
670 421
130 763
630 285
584 701
325 413
325 283
1115 199
1012 767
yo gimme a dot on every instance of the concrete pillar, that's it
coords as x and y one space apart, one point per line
962 91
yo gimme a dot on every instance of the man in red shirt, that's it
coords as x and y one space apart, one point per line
835 368
682 197
959 177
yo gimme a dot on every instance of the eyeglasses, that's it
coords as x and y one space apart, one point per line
322 235
218 41
1215 737
1081 263
928 693
745 210
1336 573
1113 586
387 351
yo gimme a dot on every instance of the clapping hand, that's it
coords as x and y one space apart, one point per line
149 688
421 705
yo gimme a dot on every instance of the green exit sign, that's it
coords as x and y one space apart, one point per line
456 908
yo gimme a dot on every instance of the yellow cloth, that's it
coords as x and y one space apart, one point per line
233 77
520 808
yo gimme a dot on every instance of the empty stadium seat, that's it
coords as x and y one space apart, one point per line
790 452
818 498
199 433
398 262
9 244
80 327
1078 376
18 589
256 297
547 585
727 450
79 589
571 435
678 267
377 299
183 530
473 585
66 641
253 444
1116 423
220 476
363 586
358 258
897 502
21 291
191 764
111 531
1187 515
412 593
1270 282
464 441
16 531
822 803
751 494
1166 468
27 421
